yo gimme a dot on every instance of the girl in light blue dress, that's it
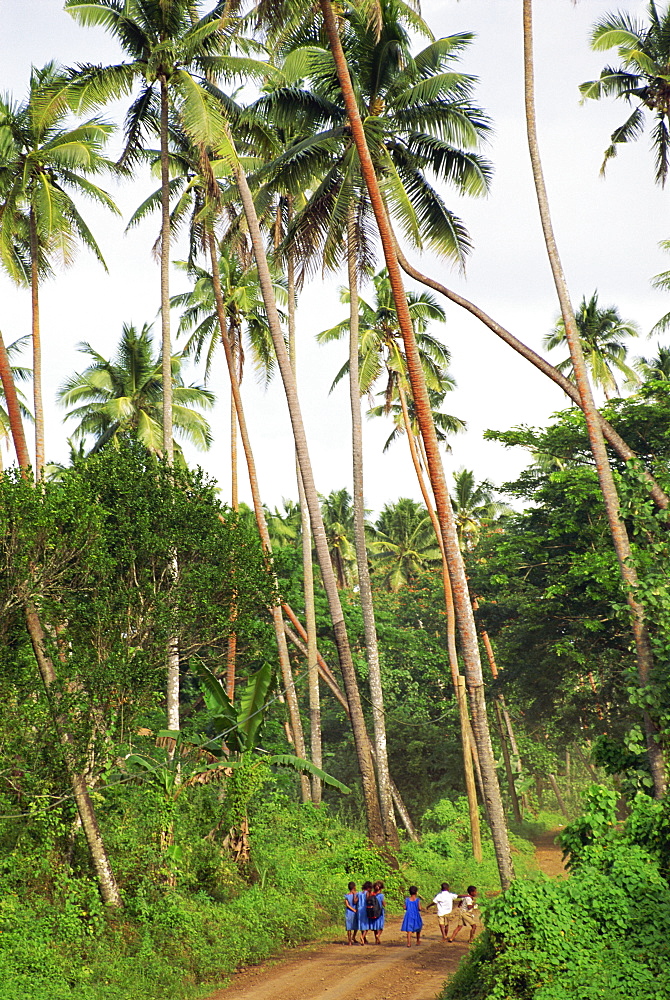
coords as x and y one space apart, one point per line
363 923
351 913
378 925
412 922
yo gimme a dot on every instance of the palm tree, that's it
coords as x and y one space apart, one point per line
620 540
602 332
403 544
474 506
338 520
655 369
642 78
44 162
173 53
123 397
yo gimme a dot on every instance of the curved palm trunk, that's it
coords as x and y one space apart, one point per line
101 864
37 349
278 622
645 661
364 586
315 743
469 644
463 716
615 440
231 652
340 636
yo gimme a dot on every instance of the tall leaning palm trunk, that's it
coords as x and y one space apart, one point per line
315 741
645 661
364 757
465 617
277 619
364 585
106 882
469 751
37 346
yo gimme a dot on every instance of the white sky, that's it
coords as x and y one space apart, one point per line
608 233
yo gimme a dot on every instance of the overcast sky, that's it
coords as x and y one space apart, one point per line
608 232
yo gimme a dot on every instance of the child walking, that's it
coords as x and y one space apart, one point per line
351 913
377 925
412 922
466 913
363 922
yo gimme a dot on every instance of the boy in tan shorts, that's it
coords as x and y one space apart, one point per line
444 901
466 914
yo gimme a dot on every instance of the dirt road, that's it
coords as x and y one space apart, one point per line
391 971
334 971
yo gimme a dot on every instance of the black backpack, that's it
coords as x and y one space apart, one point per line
373 908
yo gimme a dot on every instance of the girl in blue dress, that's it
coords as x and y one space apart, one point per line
378 925
351 913
363 923
412 922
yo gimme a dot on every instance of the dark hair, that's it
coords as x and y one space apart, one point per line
413 890
471 889
378 886
366 885
352 885
445 887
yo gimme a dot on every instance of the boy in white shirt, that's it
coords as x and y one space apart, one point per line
444 901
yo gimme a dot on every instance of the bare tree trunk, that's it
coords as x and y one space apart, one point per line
364 585
37 348
278 622
13 410
645 660
307 565
327 675
366 767
166 342
559 797
464 719
613 438
469 644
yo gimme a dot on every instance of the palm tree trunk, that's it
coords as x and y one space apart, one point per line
13 410
661 500
278 622
315 742
101 864
328 677
469 644
364 585
37 348
463 716
366 767
645 660
168 443
231 652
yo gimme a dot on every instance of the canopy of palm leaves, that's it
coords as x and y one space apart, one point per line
642 78
338 520
123 397
473 507
655 369
44 161
403 543
602 332
419 120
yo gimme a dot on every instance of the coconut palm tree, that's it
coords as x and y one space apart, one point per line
338 520
174 49
641 79
656 369
602 332
403 544
45 162
474 506
123 397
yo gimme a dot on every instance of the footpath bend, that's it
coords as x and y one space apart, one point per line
391 971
